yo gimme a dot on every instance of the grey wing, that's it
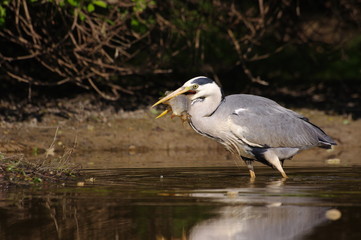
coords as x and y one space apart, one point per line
272 125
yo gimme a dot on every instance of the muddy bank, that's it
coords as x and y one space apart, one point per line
136 139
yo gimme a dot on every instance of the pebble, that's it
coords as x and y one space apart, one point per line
232 194
333 214
80 184
333 161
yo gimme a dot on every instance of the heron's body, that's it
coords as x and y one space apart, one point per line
254 127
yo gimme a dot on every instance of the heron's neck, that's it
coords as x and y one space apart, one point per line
204 107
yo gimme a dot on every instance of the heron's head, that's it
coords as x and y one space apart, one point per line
198 87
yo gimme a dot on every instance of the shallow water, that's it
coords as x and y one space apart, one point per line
188 203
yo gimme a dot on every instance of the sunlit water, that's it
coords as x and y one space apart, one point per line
188 203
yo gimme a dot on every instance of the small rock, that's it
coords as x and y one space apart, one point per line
333 161
274 204
232 194
80 184
90 128
92 180
333 214
132 150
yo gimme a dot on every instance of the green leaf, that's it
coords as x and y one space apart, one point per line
90 7
74 3
110 22
37 180
81 16
2 12
5 3
100 3
134 22
35 151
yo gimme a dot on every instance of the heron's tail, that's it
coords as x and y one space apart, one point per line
324 141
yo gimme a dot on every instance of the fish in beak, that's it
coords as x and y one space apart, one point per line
177 92
177 103
184 116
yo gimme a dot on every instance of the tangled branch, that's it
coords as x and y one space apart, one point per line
97 47
76 46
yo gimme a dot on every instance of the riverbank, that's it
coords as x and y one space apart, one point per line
137 139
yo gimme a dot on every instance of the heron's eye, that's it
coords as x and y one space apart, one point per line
195 86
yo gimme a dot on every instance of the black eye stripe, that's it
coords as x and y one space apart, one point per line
202 81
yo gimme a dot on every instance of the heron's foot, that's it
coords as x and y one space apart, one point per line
284 175
249 163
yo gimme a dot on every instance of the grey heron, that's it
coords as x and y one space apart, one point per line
253 127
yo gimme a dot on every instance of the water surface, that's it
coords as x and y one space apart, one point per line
188 203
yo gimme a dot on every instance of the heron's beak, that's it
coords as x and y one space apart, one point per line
163 113
177 92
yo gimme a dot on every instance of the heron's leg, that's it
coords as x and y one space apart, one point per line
275 161
282 162
249 163
252 174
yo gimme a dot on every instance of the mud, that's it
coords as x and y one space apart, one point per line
137 139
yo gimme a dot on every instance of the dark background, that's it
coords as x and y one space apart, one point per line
126 54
